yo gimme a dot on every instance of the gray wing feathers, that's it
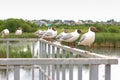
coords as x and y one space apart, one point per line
48 34
82 38
59 36
68 36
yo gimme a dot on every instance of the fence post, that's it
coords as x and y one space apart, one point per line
93 72
16 72
33 50
7 56
71 68
53 66
108 72
79 71
63 66
58 66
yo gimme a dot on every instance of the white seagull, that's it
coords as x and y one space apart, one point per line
70 37
5 33
18 31
61 34
38 32
88 38
50 33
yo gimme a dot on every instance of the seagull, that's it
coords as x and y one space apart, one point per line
18 31
5 33
70 37
38 33
61 34
49 34
88 38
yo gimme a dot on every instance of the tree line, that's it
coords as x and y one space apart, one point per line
27 26
13 24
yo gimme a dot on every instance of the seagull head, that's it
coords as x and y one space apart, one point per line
54 29
79 31
93 29
66 30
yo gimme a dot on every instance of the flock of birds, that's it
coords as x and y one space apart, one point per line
5 33
86 39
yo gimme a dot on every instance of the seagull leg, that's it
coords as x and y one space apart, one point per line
91 48
71 45
85 50
68 44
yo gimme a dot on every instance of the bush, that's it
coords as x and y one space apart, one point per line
13 24
113 29
102 28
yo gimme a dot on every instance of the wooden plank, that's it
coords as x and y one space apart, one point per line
71 68
57 65
40 73
67 48
107 72
43 51
75 50
53 66
93 72
7 56
33 55
7 49
19 39
40 48
63 66
33 72
49 55
32 61
79 72
16 72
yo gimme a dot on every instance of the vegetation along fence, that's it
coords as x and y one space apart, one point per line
56 61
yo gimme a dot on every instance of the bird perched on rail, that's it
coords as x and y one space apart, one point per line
18 31
71 37
38 33
88 38
61 34
5 33
50 34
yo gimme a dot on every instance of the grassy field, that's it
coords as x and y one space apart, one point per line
15 52
108 40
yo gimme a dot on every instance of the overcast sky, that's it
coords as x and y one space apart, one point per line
96 10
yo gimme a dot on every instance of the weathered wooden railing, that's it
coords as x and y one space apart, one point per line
53 64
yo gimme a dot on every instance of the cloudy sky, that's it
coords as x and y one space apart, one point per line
96 10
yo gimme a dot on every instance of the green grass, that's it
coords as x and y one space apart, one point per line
108 39
15 52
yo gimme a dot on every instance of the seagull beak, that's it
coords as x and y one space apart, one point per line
97 30
82 32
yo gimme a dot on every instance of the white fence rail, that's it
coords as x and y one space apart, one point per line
53 64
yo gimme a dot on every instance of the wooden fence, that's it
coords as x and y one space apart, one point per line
54 60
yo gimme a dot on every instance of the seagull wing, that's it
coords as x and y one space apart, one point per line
67 36
82 38
48 34
59 36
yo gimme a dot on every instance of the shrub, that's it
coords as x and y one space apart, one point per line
113 29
